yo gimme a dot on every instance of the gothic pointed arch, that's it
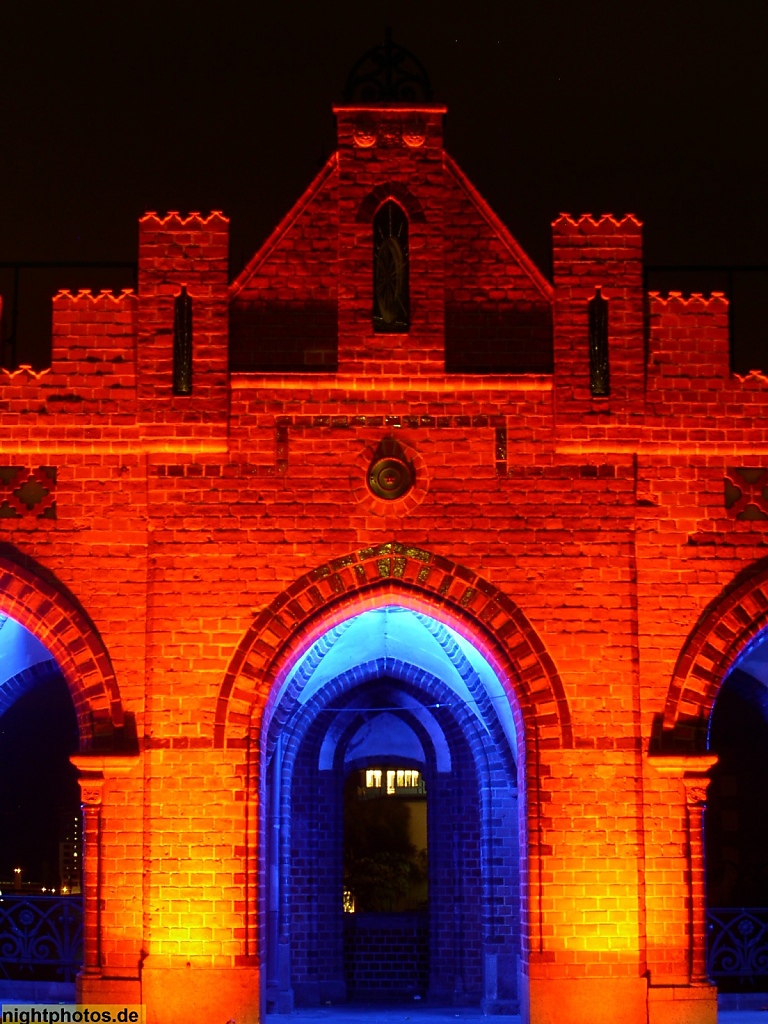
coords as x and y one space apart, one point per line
415 578
391 190
725 631
43 607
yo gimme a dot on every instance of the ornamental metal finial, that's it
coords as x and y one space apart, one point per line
388 74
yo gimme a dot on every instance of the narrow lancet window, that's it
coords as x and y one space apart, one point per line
599 372
391 303
182 344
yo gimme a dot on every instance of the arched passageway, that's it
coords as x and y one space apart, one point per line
391 690
736 825
51 642
41 851
717 714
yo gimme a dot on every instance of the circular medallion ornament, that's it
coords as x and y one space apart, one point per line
390 478
414 134
365 133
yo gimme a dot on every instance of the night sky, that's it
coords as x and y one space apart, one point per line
108 110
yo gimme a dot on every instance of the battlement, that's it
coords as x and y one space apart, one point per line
114 360
587 224
175 221
101 326
688 337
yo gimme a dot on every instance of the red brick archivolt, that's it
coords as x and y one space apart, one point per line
411 577
73 642
724 633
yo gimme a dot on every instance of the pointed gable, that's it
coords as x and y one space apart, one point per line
283 304
498 304
479 303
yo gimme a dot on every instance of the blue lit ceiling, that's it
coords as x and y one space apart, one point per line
19 650
754 660
398 635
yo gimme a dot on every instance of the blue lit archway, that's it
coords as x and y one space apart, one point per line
391 684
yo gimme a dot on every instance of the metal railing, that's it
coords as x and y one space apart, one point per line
41 937
738 946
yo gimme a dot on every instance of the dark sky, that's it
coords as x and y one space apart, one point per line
656 108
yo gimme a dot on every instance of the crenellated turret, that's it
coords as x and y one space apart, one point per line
178 257
598 262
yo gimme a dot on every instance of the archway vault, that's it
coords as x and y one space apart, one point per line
74 643
414 578
395 687
724 633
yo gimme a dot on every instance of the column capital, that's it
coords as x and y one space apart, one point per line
104 766
696 789
681 766
91 791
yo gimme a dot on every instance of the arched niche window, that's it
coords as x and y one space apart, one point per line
391 302
599 369
182 344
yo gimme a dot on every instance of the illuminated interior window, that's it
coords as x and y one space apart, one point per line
397 780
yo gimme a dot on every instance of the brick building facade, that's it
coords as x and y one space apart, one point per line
410 503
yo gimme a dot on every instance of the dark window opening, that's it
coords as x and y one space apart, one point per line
182 344
599 370
391 300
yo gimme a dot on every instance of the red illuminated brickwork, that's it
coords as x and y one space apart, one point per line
580 544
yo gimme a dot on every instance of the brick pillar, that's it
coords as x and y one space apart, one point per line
679 990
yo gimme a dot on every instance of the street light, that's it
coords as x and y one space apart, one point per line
17 879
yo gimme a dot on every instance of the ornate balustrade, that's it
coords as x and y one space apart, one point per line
41 937
738 946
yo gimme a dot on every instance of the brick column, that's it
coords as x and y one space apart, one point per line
91 792
679 991
95 982
695 802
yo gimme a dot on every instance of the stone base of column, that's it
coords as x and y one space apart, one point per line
180 994
93 989
682 1004
583 1001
